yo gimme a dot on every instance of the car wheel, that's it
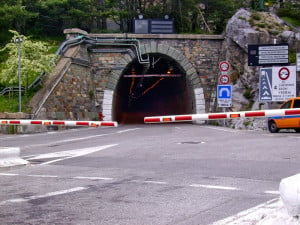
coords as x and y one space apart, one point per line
273 127
297 130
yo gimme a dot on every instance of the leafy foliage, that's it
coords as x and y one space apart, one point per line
35 59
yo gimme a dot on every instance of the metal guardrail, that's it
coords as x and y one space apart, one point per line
11 89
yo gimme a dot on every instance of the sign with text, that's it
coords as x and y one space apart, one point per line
298 61
224 95
264 55
277 83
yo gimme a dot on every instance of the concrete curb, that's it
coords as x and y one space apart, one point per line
289 189
10 156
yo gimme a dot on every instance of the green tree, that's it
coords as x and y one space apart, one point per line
217 13
35 59
13 15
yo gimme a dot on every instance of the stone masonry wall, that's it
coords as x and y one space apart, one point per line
79 95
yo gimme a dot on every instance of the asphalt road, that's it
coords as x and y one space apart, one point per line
144 174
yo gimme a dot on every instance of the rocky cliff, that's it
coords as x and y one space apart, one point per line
246 28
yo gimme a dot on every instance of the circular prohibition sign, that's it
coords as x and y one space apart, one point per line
224 79
284 73
224 66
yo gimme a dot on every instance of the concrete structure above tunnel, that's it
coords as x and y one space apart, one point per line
87 83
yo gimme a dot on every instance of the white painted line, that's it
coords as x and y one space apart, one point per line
50 194
214 187
221 129
43 176
272 192
124 131
252 215
80 138
9 174
154 182
94 178
62 155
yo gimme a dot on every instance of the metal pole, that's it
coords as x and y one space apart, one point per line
261 5
18 41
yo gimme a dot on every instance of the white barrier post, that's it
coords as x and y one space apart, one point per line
289 189
11 157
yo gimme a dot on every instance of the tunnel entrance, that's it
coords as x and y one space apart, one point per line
158 88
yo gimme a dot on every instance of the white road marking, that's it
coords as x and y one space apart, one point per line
80 138
9 174
154 182
50 194
62 155
222 129
214 187
272 192
93 178
43 176
124 131
252 215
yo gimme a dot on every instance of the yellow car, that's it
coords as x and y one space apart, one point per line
286 122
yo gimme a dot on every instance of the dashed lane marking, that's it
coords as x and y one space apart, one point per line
93 178
43 176
9 174
214 187
154 182
272 192
47 195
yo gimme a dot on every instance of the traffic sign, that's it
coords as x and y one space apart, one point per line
262 55
224 66
284 73
277 83
224 79
298 61
224 95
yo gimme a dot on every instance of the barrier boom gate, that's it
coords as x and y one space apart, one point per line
218 116
60 123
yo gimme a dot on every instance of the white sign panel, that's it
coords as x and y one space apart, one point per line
224 95
277 83
298 61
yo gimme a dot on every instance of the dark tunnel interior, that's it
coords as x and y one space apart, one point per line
158 88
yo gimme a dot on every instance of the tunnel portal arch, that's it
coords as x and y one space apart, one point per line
168 85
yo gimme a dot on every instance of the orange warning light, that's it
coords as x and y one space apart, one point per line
167 119
237 115
94 125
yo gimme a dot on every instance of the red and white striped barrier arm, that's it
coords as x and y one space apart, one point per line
60 123
218 116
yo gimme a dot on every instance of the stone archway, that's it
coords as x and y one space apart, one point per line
191 100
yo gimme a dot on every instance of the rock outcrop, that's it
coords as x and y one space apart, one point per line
246 28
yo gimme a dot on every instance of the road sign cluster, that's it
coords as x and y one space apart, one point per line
224 88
